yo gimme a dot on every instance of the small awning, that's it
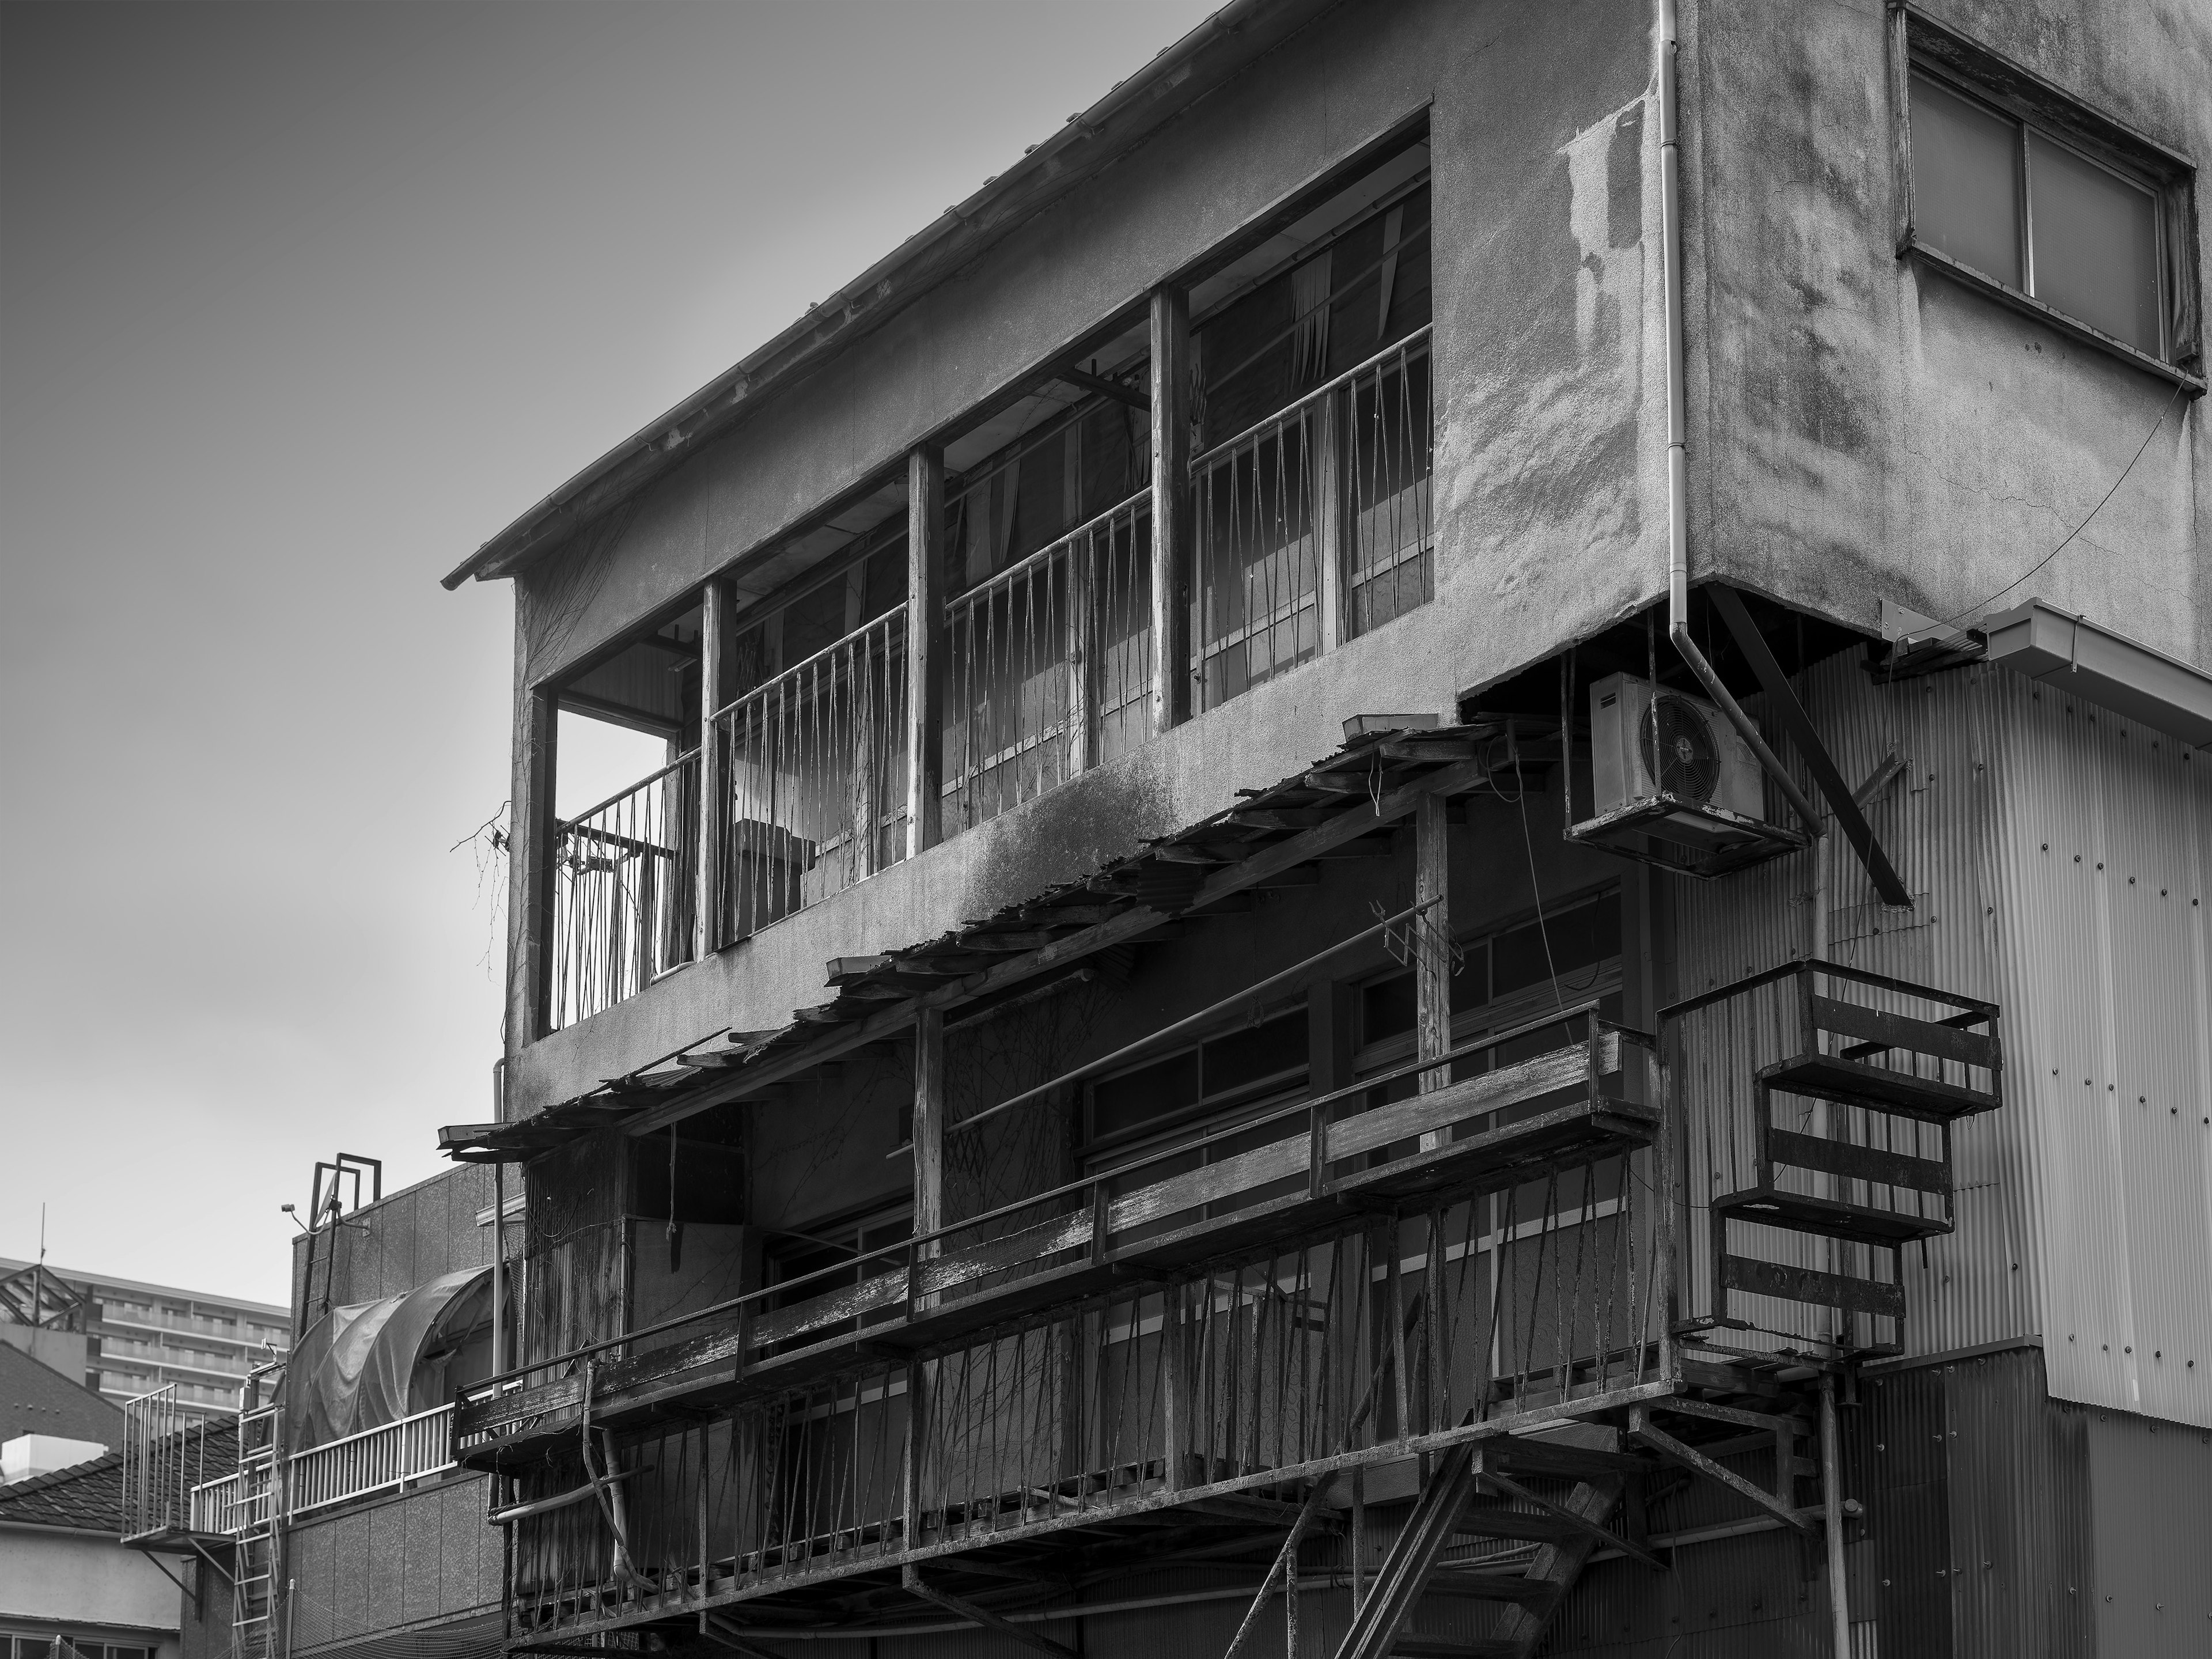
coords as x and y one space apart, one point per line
358 1367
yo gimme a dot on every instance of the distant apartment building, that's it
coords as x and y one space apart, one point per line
138 1337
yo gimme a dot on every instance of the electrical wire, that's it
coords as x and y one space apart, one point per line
1976 610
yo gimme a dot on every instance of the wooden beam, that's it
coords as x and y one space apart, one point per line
537 756
716 1630
928 1119
1431 931
1641 1428
1104 387
1591 1530
714 784
1782 703
956 1605
1171 549
925 644
1261 870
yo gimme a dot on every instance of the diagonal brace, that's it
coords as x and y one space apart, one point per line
717 1631
913 1580
1640 1427
1608 1540
1285 1561
1799 724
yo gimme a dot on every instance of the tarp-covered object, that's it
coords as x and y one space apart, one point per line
360 1367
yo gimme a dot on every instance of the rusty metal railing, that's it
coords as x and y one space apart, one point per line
1313 525
624 879
815 761
1050 666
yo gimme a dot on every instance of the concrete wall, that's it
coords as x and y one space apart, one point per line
409 1559
83 1578
1550 480
405 1239
1862 428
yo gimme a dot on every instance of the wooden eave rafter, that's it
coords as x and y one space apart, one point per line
1380 778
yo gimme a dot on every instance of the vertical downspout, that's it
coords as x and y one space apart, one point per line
1678 506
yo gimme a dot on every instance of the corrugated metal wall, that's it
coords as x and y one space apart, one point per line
2085 1205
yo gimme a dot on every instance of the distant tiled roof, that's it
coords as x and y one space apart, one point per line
36 1399
88 1498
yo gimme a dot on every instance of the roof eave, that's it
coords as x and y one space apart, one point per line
1125 116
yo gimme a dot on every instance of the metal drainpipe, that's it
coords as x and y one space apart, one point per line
1678 509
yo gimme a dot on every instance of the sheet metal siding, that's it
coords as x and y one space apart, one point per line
1938 821
2152 1485
2084 1207
2102 862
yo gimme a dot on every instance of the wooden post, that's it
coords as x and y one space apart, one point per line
928 1121
926 667
498 1268
1327 432
713 781
530 853
1432 946
1171 538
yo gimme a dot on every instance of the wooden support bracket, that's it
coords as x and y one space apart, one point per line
715 1629
1641 1428
911 1578
1605 1538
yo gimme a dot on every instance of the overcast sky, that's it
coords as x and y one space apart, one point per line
298 305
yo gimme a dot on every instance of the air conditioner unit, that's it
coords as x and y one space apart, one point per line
1673 765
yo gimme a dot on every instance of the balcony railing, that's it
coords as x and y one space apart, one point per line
815 764
164 1461
375 1459
623 882
1286 1297
1313 525
372 1461
1051 666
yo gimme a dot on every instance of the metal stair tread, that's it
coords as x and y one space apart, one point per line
1828 1218
1826 1077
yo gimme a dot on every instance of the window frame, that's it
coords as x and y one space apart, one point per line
2037 109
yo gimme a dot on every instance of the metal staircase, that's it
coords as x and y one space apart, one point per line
1819 1101
1848 1143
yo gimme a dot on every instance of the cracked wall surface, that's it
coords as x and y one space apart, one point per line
1863 428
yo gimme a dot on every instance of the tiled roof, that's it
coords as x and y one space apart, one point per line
88 1498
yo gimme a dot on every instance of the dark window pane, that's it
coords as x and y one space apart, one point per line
1578 938
1386 1008
2095 244
886 580
1965 190
814 620
1137 1097
1258 1051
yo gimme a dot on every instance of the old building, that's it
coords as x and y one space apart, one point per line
1430 878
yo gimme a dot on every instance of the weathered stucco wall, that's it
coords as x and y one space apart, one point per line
1863 428
1549 498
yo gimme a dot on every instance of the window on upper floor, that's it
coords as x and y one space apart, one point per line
2013 186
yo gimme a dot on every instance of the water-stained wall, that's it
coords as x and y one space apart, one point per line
1861 427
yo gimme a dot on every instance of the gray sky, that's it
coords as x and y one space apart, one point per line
299 304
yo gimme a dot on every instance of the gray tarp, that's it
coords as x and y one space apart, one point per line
359 1367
